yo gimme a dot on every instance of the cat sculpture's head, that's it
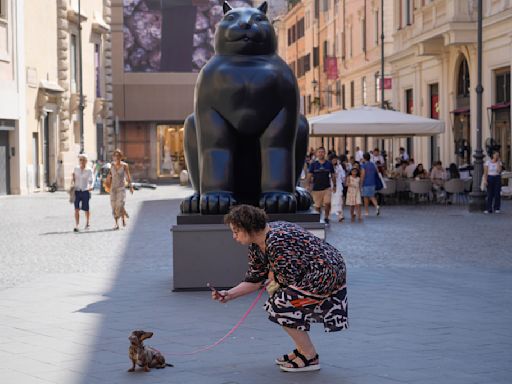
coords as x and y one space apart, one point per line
245 31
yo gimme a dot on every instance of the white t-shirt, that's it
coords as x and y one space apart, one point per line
493 168
374 159
359 155
83 178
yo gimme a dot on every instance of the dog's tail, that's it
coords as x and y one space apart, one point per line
169 365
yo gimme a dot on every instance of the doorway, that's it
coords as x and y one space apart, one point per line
4 163
35 157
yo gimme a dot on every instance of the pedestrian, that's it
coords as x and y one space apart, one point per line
337 197
321 175
403 154
306 275
376 157
369 174
492 180
118 176
353 199
82 183
358 155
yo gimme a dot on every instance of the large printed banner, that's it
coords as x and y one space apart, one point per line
170 35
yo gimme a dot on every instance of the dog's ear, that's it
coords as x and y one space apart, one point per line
137 333
146 335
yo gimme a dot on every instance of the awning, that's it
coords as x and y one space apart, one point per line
50 86
504 105
372 121
461 111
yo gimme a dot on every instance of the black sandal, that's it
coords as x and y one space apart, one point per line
285 359
308 366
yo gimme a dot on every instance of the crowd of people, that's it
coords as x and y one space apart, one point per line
336 180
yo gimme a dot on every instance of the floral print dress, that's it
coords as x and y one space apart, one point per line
311 275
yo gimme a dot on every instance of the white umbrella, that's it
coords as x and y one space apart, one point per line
373 121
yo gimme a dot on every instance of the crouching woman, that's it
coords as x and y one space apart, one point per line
307 276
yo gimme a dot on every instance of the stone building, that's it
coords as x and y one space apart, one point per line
41 98
333 46
430 62
12 118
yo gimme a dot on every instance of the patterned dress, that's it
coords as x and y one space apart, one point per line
311 275
353 191
118 190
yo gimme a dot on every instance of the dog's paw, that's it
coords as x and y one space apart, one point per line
131 370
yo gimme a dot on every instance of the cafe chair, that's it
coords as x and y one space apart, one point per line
457 189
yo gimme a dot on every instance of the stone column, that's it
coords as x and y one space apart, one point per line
108 131
63 74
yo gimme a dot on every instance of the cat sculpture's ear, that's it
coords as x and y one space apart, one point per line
263 7
226 7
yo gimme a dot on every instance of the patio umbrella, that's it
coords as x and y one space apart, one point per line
373 121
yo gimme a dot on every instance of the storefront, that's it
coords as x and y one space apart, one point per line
153 150
170 154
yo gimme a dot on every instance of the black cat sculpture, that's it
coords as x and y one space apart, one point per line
246 141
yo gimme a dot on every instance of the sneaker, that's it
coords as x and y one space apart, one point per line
378 210
75 229
87 227
497 211
486 212
326 221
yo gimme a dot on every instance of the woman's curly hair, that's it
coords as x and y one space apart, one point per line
246 217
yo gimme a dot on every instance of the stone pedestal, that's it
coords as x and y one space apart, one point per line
204 250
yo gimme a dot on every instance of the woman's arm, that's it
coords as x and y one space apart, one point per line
129 177
241 289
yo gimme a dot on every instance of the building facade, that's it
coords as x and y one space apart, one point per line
43 64
12 101
434 70
333 47
58 63
430 68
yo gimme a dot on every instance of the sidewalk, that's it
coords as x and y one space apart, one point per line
430 301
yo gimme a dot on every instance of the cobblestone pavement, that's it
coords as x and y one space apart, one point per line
430 296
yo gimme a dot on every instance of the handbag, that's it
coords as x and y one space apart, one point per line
107 183
72 194
378 181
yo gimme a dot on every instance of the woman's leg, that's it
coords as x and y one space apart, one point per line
497 193
77 217
366 204
490 193
302 342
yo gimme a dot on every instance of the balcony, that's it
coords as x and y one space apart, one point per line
445 22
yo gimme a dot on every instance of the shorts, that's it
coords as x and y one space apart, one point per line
82 197
320 198
368 191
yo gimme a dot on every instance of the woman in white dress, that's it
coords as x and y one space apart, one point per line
337 197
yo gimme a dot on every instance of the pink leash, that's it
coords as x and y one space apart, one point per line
208 347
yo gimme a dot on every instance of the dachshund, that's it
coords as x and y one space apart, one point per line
142 355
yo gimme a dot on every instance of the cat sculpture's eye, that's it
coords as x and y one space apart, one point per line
230 17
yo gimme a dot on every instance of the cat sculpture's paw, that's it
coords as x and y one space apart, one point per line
304 199
216 203
278 202
190 204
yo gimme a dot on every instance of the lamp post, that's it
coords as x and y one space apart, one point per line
81 105
477 197
382 54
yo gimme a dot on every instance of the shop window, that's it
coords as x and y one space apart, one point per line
170 150
502 86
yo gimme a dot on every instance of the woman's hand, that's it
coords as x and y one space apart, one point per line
221 296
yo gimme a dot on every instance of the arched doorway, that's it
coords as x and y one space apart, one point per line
462 115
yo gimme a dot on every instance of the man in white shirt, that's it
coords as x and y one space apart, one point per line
409 170
82 184
359 155
376 157
403 155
